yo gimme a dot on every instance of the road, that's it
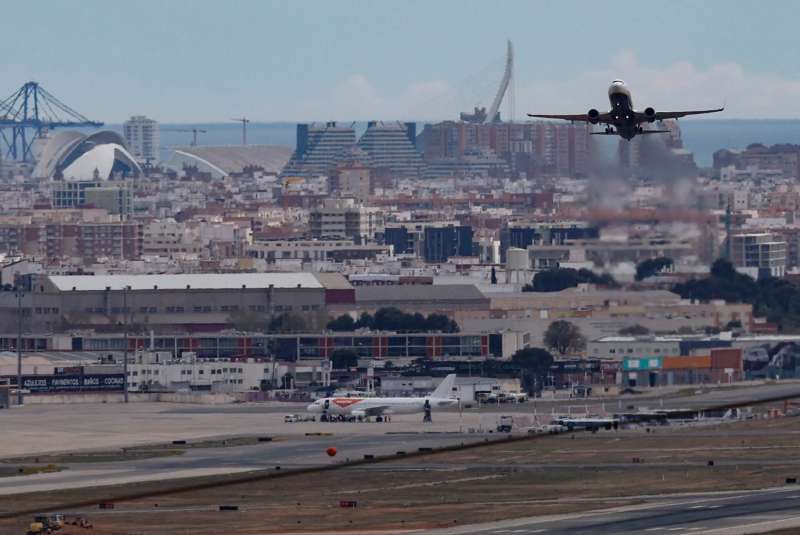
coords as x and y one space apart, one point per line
713 513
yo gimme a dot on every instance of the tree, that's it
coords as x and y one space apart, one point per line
394 319
724 283
557 279
344 323
389 319
440 322
533 364
634 330
564 337
249 321
652 266
287 323
365 321
733 325
343 359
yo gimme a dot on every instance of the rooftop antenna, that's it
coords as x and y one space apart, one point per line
244 121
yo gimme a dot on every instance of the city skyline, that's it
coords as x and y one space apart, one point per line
278 61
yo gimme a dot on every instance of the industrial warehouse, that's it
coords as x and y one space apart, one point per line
188 302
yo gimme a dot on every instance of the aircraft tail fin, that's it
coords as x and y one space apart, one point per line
445 388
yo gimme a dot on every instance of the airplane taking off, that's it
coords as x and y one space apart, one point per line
623 120
365 407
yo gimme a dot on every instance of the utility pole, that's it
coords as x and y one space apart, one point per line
125 327
244 121
19 346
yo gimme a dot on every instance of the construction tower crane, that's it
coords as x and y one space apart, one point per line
244 121
194 132
30 112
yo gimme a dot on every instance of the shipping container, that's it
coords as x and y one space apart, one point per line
726 359
686 363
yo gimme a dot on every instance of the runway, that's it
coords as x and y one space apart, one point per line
290 452
41 429
729 513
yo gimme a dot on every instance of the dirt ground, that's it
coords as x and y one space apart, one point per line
546 475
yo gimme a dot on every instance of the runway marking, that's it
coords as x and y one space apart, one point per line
698 507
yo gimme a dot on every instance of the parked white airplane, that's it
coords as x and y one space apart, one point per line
361 407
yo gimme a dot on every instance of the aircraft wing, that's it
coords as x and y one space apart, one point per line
582 117
661 115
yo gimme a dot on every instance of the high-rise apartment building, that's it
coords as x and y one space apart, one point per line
530 149
391 146
143 138
319 149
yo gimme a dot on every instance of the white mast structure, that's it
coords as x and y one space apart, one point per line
501 91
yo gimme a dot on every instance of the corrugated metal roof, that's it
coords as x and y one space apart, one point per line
334 281
197 281
54 358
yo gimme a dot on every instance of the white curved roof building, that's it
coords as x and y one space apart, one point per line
220 162
74 156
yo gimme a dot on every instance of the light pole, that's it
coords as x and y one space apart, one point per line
19 346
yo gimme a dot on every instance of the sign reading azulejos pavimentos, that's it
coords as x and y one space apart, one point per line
72 383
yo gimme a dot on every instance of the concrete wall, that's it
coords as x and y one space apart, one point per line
193 397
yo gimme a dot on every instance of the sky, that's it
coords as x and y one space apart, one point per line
208 60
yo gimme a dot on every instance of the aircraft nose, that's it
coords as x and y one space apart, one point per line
313 407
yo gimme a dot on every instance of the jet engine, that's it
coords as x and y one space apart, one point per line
650 114
594 116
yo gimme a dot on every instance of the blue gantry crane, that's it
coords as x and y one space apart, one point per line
29 112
